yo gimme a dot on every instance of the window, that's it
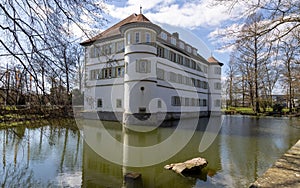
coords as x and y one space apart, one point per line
193 64
205 69
120 71
205 85
195 51
173 41
107 73
179 78
186 102
188 81
186 62
166 53
95 74
148 38
160 51
217 103
217 70
164 35
172 76
204 102
126 67
99 103
193 102
218 86
119 103
189 49
198 67
143 66
95 51
159 103
181 45
172 56
128 38
107 49
120 46
180 59
194 82
198 83
175 101
137 37
160 74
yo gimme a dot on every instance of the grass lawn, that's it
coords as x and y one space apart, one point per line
249 110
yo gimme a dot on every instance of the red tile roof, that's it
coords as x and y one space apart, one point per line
114 30
214 60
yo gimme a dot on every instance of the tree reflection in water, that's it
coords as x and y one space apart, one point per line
41 156
56 155
18 176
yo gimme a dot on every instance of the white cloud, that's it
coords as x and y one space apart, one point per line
188 15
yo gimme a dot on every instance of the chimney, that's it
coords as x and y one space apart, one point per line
176 35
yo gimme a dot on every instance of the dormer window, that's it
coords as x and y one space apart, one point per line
173 41
194 51
188 48
164 35
181 45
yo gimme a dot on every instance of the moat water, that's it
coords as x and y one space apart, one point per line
58 156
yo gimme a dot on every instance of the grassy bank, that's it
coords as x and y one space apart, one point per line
250 111
13 116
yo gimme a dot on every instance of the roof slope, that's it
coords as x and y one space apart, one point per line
114 30
214 60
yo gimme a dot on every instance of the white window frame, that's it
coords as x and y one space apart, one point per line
137 37
148 37
160 74
129 38
143 66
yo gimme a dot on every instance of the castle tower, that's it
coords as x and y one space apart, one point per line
140 70
214 80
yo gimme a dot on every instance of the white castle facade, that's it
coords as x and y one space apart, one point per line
136 71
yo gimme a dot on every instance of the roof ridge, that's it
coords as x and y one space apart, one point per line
212 59
132 18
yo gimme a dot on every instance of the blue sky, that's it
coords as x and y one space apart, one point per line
197 21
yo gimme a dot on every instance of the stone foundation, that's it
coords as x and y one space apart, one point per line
145 118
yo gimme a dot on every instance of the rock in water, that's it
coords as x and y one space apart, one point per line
189 166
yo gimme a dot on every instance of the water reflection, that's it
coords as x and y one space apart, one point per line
37 157
59 156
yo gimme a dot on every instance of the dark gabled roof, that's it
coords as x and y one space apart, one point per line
115 29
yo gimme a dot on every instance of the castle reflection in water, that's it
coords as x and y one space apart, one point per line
58 156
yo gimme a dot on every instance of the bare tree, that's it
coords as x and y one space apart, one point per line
253 53
231 80
36 30
281 16
289 55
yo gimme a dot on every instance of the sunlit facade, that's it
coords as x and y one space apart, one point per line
135 70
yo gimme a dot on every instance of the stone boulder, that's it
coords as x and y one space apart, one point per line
190 166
